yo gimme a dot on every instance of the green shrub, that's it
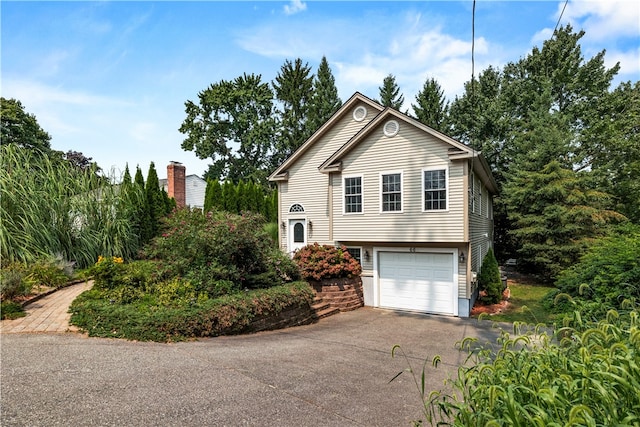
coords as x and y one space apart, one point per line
607 275
11 310
182 316
320 262
208 248
591 376
50 272
13 281
489 279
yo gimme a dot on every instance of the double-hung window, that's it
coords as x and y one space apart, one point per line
435 189
391 192
353 194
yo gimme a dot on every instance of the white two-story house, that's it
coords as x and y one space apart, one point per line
413 205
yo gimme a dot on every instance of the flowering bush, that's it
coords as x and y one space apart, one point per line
320 262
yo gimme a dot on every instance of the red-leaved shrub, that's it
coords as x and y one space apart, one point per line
319 262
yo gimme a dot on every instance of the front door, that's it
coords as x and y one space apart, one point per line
297 234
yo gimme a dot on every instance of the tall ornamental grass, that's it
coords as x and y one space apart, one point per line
49 207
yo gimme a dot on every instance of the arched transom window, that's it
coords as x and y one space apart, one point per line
296 208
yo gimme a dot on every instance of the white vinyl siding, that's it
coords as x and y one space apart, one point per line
304 177
391 192
410 151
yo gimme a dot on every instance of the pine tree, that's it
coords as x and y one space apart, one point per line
142 219
293 87
431 107
325 101
489 279
390 93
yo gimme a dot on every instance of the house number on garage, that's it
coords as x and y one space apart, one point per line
412 250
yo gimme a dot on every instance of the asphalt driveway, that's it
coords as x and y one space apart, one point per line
333 373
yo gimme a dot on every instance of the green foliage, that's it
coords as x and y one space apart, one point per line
431 106
607 274
229 114
219 246
243 197
293 87
50 272
11 310
320 262
590 377
554 213
14 281
48 208
390 95
173 311
489 279
325 100
155 205
21 128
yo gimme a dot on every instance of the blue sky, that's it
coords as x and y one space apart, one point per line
110 79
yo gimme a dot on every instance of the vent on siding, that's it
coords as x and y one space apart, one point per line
391 128
359 113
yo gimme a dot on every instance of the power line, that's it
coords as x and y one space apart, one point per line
560 17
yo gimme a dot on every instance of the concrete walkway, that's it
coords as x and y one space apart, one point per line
48 314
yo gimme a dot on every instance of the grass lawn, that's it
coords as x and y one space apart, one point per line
525 303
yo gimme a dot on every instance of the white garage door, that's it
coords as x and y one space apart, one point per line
417 281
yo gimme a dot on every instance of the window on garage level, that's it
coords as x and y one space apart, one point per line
391 195
356 253
353 194
435 189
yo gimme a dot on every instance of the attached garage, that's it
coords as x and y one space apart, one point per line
423 281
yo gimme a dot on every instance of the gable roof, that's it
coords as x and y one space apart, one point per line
458 150
281 172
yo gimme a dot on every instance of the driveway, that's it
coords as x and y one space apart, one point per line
332 373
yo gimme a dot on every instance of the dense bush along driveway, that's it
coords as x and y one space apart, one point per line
333 373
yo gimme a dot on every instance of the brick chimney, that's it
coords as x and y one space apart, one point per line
176 186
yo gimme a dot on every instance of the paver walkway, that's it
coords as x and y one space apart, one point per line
48 314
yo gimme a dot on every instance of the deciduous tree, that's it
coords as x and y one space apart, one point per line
233 124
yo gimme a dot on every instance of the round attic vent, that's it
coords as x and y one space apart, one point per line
359 113
391 128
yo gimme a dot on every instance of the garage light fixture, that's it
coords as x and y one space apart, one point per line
366 256
461 258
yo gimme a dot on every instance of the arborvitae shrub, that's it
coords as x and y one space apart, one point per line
489 278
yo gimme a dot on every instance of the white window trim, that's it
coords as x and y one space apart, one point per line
446 188
402 198
472 193
344 195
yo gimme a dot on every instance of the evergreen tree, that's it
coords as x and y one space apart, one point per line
126 177
241 196
229 197
390 93
431 106
293 87
325 101
139 180
489 279
155 204
554 212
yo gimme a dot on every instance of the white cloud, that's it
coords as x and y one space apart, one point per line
295 7
603 19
